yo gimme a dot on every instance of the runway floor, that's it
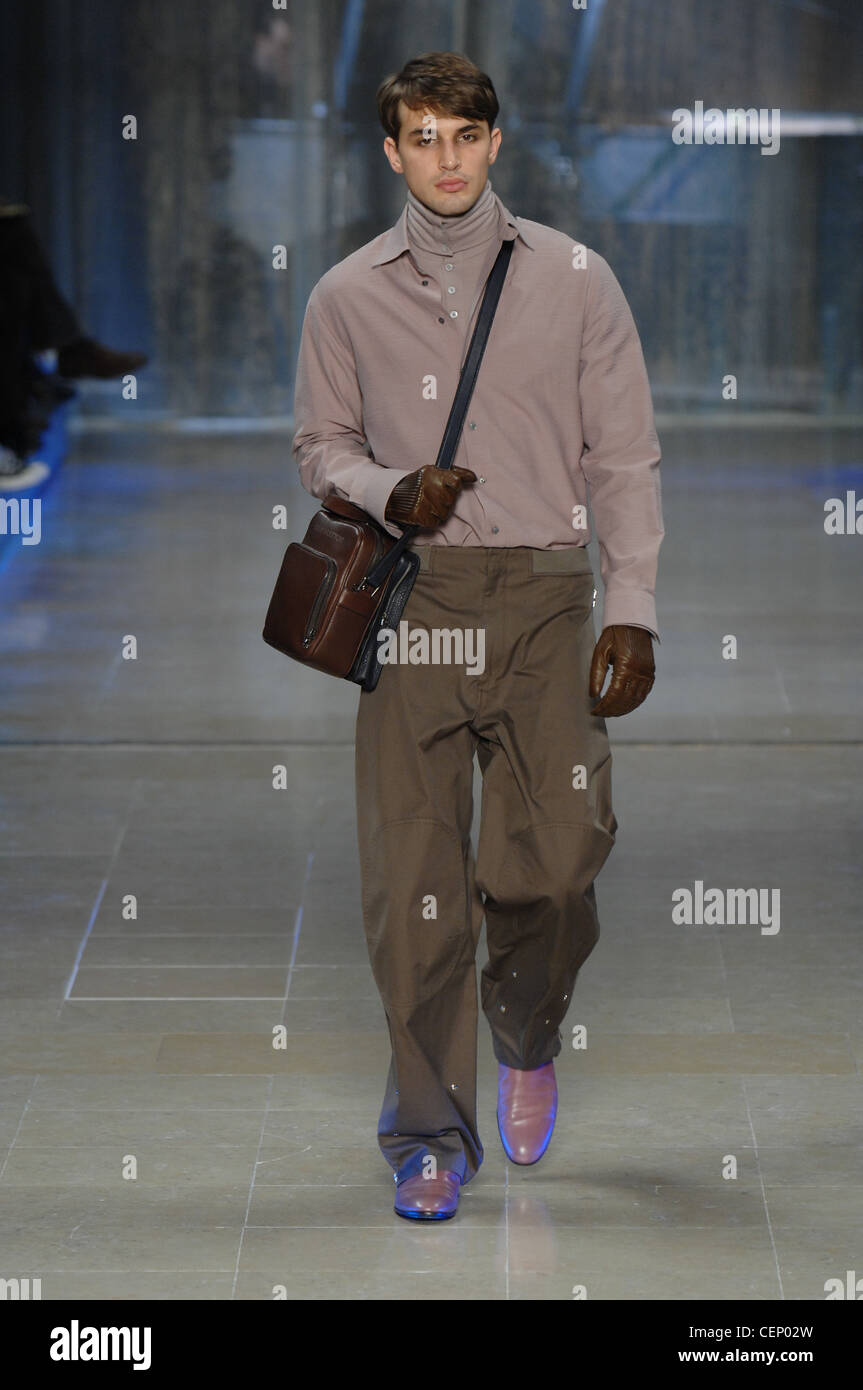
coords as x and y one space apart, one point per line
154 1144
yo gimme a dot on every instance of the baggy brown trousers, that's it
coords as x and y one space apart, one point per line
546 829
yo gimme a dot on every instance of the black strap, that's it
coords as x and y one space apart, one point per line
461 401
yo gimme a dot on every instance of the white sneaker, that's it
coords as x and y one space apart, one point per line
28 477
25 476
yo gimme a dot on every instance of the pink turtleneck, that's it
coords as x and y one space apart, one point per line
458 250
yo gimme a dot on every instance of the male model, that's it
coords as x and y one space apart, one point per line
562 401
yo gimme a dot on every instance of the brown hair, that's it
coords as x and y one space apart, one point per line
447 84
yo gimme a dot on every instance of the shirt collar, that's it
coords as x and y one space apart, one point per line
395 241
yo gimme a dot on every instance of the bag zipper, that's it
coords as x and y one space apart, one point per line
321 596
379 550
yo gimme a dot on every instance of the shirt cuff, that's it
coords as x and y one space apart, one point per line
373 490
632 608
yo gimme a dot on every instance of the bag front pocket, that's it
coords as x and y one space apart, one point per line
296 609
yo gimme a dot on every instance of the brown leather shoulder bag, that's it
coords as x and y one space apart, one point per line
348 578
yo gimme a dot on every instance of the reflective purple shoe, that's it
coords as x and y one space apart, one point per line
428 1199
526 1111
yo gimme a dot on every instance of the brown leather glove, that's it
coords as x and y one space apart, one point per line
426 497
630 651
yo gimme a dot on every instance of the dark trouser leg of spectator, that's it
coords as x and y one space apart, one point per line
33 316
50 322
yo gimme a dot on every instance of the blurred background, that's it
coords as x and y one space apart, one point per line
257 128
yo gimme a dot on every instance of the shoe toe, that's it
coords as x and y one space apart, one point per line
428 1199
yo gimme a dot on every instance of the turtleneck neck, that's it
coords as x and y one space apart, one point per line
432 231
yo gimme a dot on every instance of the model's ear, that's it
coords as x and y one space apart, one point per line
392 153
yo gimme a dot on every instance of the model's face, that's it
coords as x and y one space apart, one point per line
445 159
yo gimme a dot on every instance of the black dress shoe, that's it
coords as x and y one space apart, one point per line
85 357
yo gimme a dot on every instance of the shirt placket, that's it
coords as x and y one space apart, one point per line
458 312
452 287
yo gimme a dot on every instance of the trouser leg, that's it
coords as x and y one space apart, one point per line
547 821
50 321
33 315
421 913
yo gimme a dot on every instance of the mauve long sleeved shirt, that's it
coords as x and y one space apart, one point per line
561 404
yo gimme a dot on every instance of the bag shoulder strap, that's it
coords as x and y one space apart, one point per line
461 400
467 379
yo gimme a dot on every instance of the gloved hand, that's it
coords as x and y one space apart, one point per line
630 651
426 497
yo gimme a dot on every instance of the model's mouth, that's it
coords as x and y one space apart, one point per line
449 185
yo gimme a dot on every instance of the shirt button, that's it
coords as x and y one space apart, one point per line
494 530
441 320
472 425
448 265
453 313
482 480
450 289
